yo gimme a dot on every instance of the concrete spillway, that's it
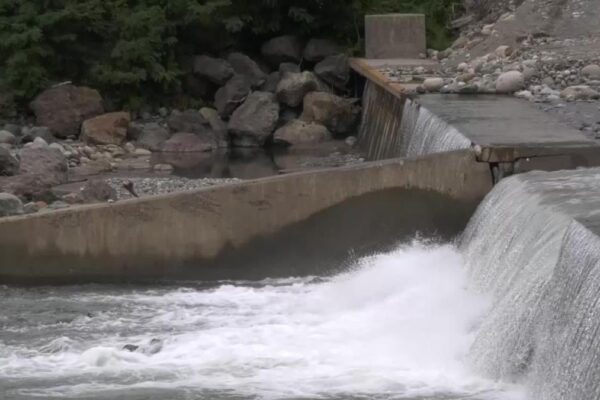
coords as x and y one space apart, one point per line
534 246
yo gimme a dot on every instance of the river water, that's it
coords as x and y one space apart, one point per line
394 326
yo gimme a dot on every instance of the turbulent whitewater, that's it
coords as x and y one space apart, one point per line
396 326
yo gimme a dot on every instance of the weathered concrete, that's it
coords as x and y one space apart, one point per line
395 36
219 229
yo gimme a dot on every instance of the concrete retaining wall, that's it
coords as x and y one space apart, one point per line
197 233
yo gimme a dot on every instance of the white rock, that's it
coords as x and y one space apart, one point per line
503 51
510 82
524 94
487 29
591 71
39 143
58 147
7 137
433 84
142 152
463 66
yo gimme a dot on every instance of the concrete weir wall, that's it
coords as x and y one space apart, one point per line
224 231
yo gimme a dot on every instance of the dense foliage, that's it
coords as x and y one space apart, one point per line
140 49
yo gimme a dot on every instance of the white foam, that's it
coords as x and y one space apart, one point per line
399 325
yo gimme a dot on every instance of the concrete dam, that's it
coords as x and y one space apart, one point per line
461 261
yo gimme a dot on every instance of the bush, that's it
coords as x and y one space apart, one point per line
137 51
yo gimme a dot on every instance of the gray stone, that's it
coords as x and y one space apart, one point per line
338 114
318 49
579 92
50 164
9 165
288 67
255 120
591 72
58 205
151 136
282 49
188 121
13 128
433 84
31 208
510 82
188 143
335 70
230 96
218 126
271 83
248 68
298 132
28 134
7 137
215 70
64 108
38 143
294 86
98 190
10 205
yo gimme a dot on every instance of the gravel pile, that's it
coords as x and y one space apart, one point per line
144 187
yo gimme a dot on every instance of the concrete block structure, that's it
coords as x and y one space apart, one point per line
395 36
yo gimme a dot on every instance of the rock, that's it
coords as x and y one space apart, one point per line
591 72
271 83
351 141
142 152
298 132
7 137
218 126
188 121
319 49
579 92
13 128
255 120
49 164
64 108
487 29
98 190
151 135
230 96
162 168
289 67
30 134
10 205
294 86
510 82
73 198
282 49
9 165
31 187
58 205
524 94
334 70
130 348
338 114
109 128
433 84
504 51
215 70
31 208
248 68
39 143
187 143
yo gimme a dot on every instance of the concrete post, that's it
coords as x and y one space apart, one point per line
395 36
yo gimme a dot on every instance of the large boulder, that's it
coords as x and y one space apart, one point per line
335 70
248 68
230 96
319 49
338 114
189 121
217 125
9 165
48 163
255 120
292 88
215 70
188 143
151 135
7 137
10 205
510 82
98 190
579 92
298 132
64 108
109 128
591 72
282 49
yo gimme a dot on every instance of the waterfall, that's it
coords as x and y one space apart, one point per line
400 127
532 248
